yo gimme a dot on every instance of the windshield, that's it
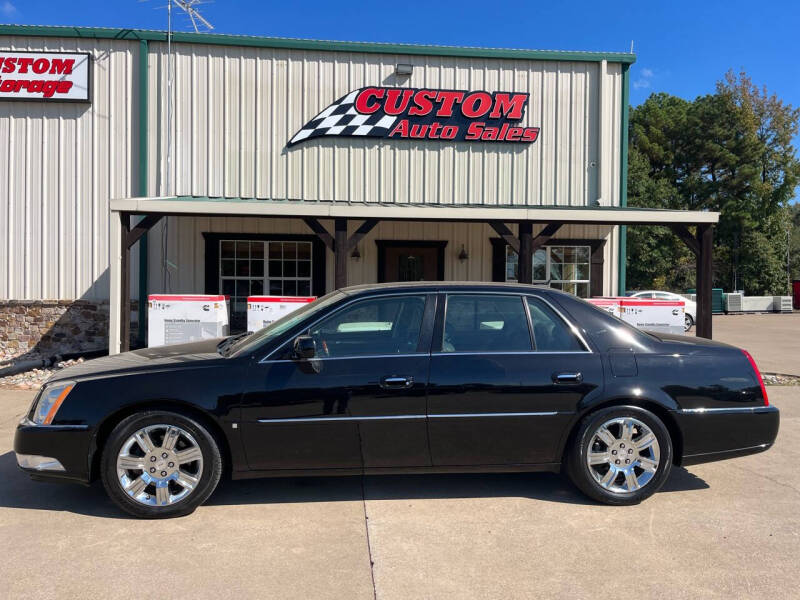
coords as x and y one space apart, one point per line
282 325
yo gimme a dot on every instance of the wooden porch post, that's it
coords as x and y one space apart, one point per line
340 252
705 237
525 252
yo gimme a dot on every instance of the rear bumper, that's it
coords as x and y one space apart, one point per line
66 444
718 434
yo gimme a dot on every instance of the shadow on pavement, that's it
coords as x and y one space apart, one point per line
19 491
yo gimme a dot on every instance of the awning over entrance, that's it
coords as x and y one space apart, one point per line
125 233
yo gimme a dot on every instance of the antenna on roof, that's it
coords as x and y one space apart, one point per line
631 46
188 6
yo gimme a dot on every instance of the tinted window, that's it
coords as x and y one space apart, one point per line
550 332
376 326
490 323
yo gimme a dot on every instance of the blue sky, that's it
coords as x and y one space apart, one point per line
683 47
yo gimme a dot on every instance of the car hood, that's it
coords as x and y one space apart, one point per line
146 359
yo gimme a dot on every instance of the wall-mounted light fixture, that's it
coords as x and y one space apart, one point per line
355 254
403 70
463 255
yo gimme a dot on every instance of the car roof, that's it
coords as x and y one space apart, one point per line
431 286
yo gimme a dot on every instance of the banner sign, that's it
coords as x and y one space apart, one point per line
263 310
46 76
423 114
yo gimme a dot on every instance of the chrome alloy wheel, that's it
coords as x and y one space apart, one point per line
159 465
623 455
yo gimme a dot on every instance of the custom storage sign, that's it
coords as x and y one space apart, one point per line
45 76
186 318
263 310
661 316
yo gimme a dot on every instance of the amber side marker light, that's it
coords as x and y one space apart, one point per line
758 376
57 404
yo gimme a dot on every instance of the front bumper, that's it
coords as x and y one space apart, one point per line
723 433
65 445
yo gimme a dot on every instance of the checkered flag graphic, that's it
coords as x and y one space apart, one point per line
342 118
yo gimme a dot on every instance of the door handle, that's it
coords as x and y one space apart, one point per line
567 378
396 382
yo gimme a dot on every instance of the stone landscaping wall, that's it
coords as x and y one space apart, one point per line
44 328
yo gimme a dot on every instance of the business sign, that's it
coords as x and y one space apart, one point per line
661 316
46 76
423 114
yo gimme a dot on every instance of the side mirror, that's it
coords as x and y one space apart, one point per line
305 347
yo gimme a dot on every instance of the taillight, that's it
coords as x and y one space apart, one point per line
758 376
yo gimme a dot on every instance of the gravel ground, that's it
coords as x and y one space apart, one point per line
35 378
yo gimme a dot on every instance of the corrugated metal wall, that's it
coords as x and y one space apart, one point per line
185 248
60 163
235 109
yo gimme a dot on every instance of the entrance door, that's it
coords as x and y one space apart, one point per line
410 261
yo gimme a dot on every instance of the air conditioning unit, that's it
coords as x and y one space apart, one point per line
757 303
782 303
733 303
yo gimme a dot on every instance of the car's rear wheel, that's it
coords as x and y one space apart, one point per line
688 322
620 455
159 464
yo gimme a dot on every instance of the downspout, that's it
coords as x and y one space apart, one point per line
143 271
600 121
623 180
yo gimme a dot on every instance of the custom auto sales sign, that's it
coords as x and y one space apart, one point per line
423 114
45 76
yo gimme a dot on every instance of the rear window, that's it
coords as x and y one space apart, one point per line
550 332
485 323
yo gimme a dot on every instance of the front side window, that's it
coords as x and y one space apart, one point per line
485 323
378 326
550 332
257 267
564 268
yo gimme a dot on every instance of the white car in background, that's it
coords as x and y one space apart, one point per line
690 311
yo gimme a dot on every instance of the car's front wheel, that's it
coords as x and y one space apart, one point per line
620 455
159 464
688 322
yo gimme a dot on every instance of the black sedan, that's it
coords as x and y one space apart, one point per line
436 377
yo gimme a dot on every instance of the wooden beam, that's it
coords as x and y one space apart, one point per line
125 285
544 235
505 233
525 263
340 253
684 234
322 233
141 228
359 233
705 238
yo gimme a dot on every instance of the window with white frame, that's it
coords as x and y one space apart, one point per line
258 267
566 268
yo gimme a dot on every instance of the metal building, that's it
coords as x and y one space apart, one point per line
527 157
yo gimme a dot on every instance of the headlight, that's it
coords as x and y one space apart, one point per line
49 401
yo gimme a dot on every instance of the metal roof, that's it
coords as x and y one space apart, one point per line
109 33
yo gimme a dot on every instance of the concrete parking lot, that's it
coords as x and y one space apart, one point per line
772 339
721 530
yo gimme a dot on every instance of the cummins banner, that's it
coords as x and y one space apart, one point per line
423 114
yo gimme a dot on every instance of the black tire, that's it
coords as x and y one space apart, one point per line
578 469
688 322
209 477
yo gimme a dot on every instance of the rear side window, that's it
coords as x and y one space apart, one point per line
485 323
550 332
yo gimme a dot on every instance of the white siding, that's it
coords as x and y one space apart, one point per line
60 163
235 109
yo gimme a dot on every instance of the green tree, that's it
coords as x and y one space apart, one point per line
729 152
